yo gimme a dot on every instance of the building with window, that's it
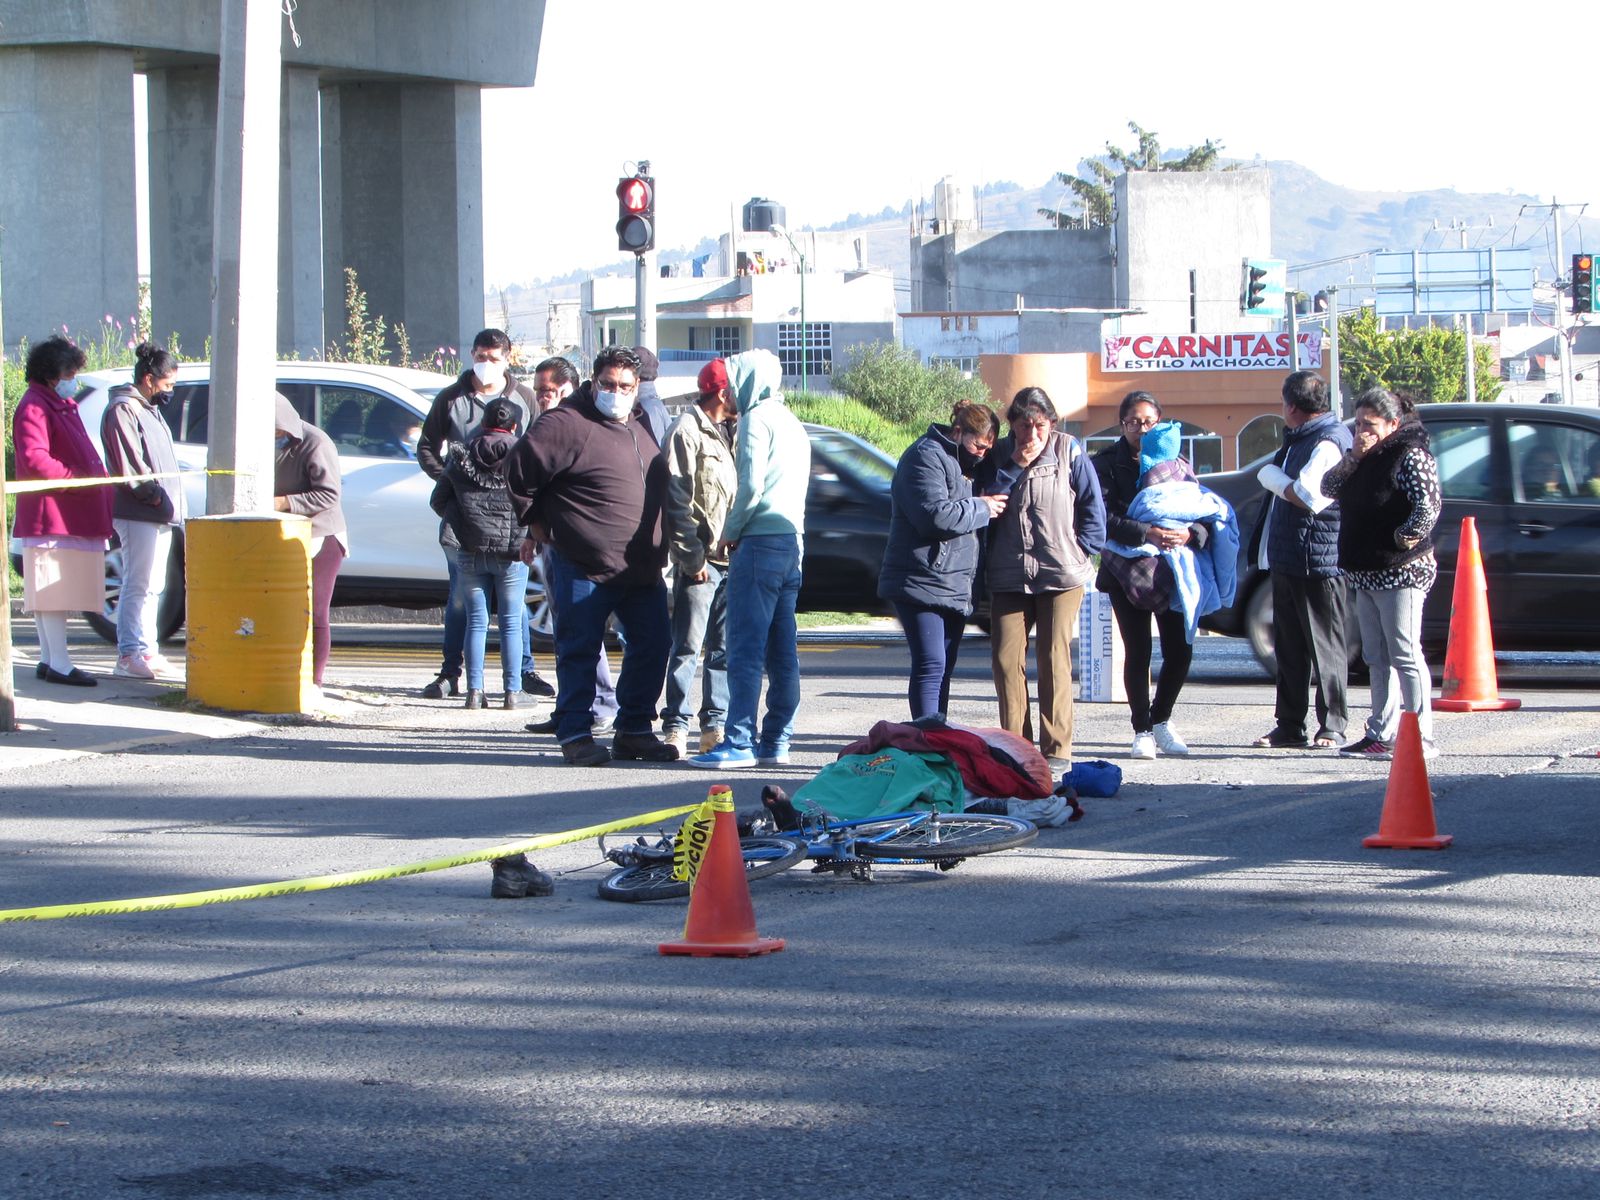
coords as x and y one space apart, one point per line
809 320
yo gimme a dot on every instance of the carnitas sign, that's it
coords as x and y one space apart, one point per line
1208 352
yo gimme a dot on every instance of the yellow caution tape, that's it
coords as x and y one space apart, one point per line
18 487
322 883
694 836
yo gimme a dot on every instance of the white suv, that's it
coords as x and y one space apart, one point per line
373 414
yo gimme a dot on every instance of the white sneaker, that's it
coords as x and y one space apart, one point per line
163 668
1167 739
132 666
1429 750
1144 746
1049 813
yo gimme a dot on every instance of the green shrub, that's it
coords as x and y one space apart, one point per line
893 383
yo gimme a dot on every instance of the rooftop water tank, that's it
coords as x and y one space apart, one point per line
761 215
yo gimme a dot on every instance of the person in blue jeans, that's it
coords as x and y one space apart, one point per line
931 558
589 485
765 531
701 481
475 504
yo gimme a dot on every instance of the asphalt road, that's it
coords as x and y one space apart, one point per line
1205 988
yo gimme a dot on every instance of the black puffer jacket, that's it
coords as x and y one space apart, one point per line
472 496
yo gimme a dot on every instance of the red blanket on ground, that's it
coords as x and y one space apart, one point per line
992 762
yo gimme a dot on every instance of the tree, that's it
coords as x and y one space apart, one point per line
892 381
1427 364
1096 206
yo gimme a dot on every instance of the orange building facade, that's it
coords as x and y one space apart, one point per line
1231 416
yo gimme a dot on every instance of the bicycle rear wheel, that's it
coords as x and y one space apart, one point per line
763 856
944 837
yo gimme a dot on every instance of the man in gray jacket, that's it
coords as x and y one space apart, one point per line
137 441
701 481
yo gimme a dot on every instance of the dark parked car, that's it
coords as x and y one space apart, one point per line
1530 476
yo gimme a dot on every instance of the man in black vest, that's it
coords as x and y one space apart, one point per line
1297 541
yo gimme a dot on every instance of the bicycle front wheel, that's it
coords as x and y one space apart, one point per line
943 837
763 856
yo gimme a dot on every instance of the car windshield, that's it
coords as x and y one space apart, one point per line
860 459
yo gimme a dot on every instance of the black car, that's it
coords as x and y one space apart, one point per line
1529 475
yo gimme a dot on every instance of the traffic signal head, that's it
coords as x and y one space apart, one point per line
1584 298
636 213
1262 288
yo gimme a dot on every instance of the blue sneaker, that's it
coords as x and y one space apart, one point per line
724 757
769 757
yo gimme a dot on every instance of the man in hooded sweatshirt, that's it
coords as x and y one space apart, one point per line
590 486
764 532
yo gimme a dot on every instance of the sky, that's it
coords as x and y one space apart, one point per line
836 107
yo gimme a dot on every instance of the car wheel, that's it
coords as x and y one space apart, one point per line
541 620
169 617
1258 626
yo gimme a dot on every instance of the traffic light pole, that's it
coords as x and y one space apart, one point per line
644 307
1562 349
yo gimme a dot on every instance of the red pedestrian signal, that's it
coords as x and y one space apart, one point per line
1583 291
636 214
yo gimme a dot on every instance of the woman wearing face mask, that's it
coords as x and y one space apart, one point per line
62 533
932 554
1040 553
137 441
455 415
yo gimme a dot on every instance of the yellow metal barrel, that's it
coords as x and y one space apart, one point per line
248 578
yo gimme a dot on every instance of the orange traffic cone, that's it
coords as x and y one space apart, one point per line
1469 679
722 923
1407 822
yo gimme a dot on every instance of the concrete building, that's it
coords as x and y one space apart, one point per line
381 166
701 318
960 339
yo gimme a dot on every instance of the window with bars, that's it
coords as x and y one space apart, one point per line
818 358
725 339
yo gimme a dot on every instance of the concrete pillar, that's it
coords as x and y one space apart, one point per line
183 152
300 317
402 205
67 220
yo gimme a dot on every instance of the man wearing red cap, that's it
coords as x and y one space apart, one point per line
701 481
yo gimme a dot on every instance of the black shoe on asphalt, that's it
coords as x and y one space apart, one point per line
642 747
1370 748
38 671
536 684
1277 739
585 752
476 699
779 807
517 700
548 725
516 878
442 686
74 678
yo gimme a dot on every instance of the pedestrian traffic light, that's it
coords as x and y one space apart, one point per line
636 213
1261 293
1584 299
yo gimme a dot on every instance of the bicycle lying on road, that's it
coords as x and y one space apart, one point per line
774 841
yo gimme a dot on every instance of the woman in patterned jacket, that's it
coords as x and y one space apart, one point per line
1388 492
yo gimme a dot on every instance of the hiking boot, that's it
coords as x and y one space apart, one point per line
1144 746
678 739
710 739
536 684
642 747
442 686
1167 739
1369 747
132 666
585 752
516 878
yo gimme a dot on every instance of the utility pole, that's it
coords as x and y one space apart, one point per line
644 307
1332 292
1563 351
1194 302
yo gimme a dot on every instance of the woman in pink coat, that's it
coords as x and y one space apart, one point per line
62 533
